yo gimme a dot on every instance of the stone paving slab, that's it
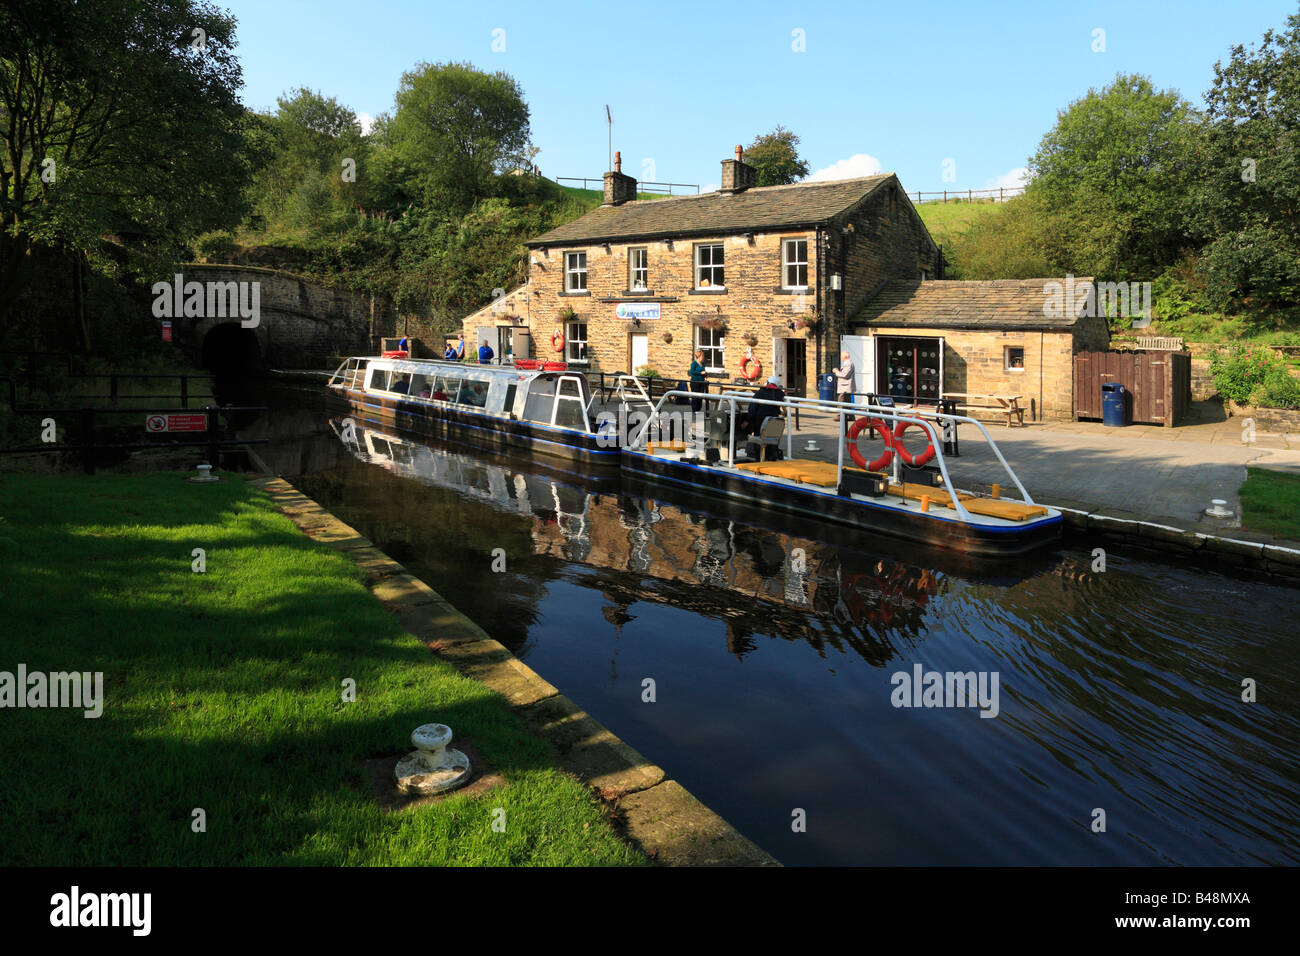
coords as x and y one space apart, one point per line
681 831
586 748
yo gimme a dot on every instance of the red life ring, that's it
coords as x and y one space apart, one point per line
557 341
852 447
758 367
903 453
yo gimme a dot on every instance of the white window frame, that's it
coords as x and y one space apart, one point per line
573 271
721 266
632 270
571 340
1006 358
720 348
787 263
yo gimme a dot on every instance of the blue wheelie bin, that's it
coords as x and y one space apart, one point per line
826 388
1116 410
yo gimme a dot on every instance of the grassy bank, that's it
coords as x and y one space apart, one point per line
1270 503
222 691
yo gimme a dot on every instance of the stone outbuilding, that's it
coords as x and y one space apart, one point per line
925 340
756 277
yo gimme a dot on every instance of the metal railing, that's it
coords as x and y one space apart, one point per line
930 422
994 194
640 187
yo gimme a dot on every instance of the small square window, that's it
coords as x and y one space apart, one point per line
1015 358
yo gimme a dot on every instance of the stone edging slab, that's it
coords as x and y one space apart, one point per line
1274 559
658 815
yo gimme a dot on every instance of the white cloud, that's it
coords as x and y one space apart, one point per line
1015 178
367 122
710 187
856 166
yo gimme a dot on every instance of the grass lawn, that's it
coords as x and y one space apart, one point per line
1270 503
947 221
222 690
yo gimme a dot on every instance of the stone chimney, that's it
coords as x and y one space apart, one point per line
619 187
737 175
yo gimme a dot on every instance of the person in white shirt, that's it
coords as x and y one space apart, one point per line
844 381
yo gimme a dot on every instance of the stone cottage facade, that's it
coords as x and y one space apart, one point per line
763 279
1004 337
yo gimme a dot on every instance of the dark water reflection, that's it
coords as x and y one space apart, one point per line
772 649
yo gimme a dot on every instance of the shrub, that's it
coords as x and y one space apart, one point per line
1281 390
1242 370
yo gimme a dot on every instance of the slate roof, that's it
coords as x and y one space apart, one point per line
951 304
757 209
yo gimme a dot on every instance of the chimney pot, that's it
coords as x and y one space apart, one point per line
739 153
618 162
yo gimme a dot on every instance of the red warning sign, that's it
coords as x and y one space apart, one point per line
166 331
177 423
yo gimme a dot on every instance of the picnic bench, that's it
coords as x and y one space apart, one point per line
1008 405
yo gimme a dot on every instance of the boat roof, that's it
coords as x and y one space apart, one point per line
463 369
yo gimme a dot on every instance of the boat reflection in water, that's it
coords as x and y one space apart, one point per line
593 524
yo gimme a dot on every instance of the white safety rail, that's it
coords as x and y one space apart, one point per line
930 423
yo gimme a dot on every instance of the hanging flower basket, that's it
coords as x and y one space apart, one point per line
714 324
567 314
668 338
751 339
806 322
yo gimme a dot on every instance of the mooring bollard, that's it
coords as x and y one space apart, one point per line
432 767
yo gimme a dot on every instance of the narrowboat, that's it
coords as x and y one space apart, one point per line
550 412
543 411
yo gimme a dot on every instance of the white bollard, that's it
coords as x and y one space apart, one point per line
432 767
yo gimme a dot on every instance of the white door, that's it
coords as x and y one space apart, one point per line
862 350
640 352
778 362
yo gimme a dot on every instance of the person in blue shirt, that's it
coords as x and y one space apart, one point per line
485 353
453 354
404 345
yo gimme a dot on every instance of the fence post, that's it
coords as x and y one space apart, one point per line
88 440
1001 198
970 195
945 197
213 451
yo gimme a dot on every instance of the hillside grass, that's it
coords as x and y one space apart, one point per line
222 691
948 221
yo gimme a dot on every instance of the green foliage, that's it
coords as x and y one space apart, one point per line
116 124
1113 176
1006 243
1176 293
1244 374
453 130
775 157
1270 503
1248 195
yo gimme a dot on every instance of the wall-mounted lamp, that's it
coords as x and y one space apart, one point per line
748 237
605 246
668 243
637 323
848 228
790 325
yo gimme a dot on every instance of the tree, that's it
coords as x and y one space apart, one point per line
775 156
117 117
1249 194
453 129
1114 174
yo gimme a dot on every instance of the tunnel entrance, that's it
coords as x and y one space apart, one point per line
233 350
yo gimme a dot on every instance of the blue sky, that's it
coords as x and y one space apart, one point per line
905 85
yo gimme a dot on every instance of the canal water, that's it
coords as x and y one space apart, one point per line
776 654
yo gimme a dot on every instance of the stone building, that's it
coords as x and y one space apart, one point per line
1004 337
758 277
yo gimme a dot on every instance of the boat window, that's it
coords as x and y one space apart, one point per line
476 394
541 395
569 413
446 388
379 379
421 386
569 388
509 405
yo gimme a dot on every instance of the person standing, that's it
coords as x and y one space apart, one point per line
844 382
404 345
696 374
485 353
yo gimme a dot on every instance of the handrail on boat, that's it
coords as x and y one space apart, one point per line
927 421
